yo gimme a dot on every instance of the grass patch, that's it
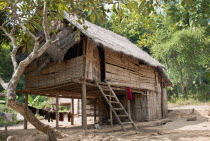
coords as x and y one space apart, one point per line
190 99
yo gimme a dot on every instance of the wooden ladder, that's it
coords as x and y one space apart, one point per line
110 102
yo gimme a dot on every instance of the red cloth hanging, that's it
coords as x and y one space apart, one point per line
129 93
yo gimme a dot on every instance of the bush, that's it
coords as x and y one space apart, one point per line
4 122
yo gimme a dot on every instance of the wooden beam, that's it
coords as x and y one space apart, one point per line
110 111
78 107
84 101
129 108
95 110
26 106
72 111
6 131
56 111
84 92
100 108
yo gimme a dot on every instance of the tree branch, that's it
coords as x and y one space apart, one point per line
3 84
27 31
16 17
35 53
15 47
44 23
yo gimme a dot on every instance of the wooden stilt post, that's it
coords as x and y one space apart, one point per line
78 106
110 112
72 111
26 106
95 110
6 131
129 108
56 111
100 109
84 100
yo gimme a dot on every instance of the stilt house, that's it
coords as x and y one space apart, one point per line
98 65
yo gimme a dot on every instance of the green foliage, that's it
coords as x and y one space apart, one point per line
4 122
38 101
190 99
186 54
177 34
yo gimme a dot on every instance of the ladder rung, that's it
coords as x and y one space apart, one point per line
118 108
110 95
105 89
114 102
127 122
122 115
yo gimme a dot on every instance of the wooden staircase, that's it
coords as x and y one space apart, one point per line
111 99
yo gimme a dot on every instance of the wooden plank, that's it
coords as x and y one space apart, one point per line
110 111
72 111
95 102
56 111
89 59
164 105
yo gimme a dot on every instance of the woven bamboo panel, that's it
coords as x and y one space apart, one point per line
123 70
55 73
96 65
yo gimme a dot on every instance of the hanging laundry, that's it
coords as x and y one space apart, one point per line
33 110
47 116
129 93
42 112
69 116
61 116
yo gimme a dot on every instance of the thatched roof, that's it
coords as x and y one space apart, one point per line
57 51
112 41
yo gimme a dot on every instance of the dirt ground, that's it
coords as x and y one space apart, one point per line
174 128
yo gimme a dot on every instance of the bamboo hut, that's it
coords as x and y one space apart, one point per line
94 63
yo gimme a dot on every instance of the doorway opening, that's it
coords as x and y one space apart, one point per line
102 63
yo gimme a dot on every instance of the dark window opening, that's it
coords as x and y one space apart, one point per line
75 51
102 63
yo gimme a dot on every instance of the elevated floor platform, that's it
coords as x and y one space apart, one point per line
73 89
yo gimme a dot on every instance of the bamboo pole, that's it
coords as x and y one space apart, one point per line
84 95
129 107
6 131
56 111
95 110
110 111
100 108
84 101
78 107
72 111
26 106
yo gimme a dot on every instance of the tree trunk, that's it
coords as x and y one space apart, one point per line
20 108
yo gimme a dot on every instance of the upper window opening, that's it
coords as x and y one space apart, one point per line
75 51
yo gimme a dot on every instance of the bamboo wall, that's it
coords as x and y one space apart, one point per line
54 73
92 61
164 103
146 107
126 71
122 70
